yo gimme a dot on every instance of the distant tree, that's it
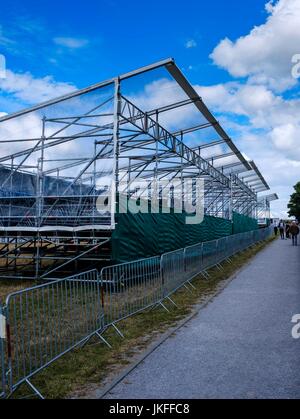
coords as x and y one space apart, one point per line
294 205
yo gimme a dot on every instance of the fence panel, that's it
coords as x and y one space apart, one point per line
238 243
2 352
130 288
85 276
258 235
223 250
173 271
47 321
249 239
194 260
243 242
210 254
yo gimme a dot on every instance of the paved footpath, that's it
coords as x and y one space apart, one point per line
239 346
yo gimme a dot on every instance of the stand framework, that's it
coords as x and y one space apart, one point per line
66 154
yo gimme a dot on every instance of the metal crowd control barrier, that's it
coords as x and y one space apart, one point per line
173 272
130 288
41 324
194 260
223 249
210 254
46 322
2 352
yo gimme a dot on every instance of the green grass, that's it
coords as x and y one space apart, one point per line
8 287
82 370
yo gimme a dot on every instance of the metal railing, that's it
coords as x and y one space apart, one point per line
44 323
194 260
130 288
47 321
2 351
173 272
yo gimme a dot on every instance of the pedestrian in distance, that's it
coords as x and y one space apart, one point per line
276 229
294 231
282 230
287 231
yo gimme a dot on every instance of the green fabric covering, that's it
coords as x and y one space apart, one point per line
145 235
242 224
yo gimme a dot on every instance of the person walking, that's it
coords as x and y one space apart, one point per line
276 229
287 231
281 229
294 230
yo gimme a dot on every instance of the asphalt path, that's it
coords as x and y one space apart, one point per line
238 346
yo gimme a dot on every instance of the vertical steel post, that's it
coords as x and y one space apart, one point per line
40 197
116 152
40 179
11 190
94 184
2 352
162 276
156 186
231 199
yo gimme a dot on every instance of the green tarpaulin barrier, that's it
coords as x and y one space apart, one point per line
145 235
243 224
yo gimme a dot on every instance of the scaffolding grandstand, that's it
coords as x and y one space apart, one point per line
59 159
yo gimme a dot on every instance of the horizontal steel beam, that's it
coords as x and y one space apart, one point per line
172 143
89 89
257 171
192 94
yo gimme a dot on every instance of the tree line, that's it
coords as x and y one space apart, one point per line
294 205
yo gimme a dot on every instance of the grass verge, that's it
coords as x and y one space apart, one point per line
9 287
82 371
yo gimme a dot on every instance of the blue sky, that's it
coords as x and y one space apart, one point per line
237 54
119 35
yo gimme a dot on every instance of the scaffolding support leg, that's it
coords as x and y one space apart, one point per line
164 307
191 285
118 331
34 389
205 275
172 302
188 289
103 340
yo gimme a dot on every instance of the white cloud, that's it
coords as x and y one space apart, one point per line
30 90
277 117
28 127
268 133
265 54
191 43
71 43
286 139
22 90
270 6
161 93
280 171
